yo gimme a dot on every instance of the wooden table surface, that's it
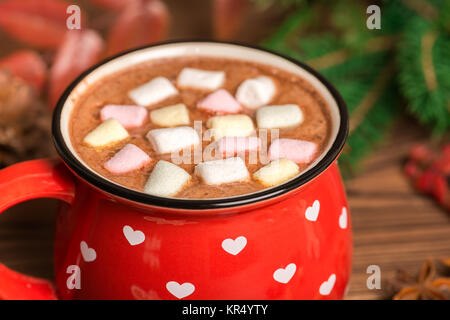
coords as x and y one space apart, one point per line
394 227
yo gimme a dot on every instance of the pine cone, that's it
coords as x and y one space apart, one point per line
25 122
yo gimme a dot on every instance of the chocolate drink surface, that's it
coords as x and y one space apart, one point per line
275 121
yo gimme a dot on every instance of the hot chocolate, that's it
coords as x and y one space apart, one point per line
200 127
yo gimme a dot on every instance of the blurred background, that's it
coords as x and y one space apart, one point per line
395 80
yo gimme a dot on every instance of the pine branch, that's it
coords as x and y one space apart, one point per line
289 26
424 72
371 131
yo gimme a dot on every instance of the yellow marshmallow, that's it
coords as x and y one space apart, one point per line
236 125
170 116
107 133
276 172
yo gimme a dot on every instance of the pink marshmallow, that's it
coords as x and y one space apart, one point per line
234 145
299 151
128 159
128 116
220 101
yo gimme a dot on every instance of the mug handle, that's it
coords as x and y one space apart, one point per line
43 178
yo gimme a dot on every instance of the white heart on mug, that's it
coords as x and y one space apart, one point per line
312 213
234 246
134 237
180 290
87 253
343 218
327 286
284 275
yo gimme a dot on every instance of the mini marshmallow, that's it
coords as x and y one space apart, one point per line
154 91
256 92
238 125
129 158
172 139
220 101
107 133
166 179
284 116
170 116
276 172
128 116
200 79
222 171
299 151
235 145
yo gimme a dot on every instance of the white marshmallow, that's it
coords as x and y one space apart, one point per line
200 79
283 116
222 171
170 116
256 92
166 179
173 139
236 125
154 91
276 172
107 133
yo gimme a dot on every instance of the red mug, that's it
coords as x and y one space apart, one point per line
292 241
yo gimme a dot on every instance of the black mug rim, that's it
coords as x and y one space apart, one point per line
198 204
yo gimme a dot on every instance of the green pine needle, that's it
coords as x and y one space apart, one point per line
424 73
370 132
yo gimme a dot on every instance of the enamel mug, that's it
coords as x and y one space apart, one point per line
291 241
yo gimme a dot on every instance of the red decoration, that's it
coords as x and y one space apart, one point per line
79 51
141 23
430 172
227 17
38 23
